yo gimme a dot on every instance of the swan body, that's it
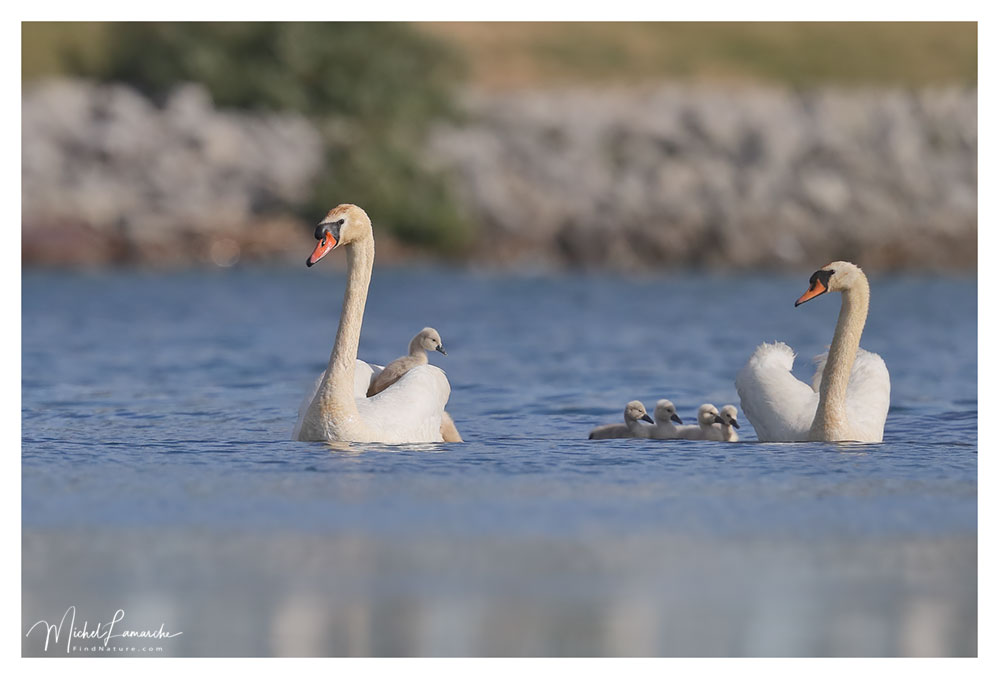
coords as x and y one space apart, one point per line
665 415
704 430
850 393
729 423
408 411
426 340
637 425
364 373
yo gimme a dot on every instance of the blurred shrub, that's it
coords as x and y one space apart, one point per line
373 87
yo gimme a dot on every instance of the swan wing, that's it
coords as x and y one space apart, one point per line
410 410
868 394
364 374
779 405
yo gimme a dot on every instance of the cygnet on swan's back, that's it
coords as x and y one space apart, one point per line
426 339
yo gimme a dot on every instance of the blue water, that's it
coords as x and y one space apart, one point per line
158 470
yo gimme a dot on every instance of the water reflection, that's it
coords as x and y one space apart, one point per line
649 595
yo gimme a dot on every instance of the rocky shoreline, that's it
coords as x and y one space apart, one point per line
622 179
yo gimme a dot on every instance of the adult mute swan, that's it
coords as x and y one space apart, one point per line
426 340
707 417
408 411
729 423
665 415
637 425
849 396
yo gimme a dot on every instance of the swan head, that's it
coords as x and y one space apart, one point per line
636 411
342 225
728 415
429 340
707 415
833 277
665 411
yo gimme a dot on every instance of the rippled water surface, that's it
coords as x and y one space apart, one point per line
158 476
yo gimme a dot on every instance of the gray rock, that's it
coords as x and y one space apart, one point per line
170 183
697 176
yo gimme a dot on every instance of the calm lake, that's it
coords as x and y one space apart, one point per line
159 478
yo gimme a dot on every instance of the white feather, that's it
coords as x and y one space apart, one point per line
780 406
868 394
364 374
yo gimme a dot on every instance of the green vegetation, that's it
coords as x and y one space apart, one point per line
373 88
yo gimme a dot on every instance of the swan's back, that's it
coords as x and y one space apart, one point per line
780 406
392 372
868 394
411 409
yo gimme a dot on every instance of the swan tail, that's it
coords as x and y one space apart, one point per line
778 405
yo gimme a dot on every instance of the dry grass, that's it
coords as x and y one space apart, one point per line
504 55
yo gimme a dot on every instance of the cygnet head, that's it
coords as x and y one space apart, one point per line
342 225
666 411
707 415
728 415
428 339
636 411
833 277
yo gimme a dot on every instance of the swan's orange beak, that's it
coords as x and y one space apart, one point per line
816 289
325 246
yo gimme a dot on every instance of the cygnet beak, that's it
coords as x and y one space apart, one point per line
647 418
440 348
719 420
676 418
735 424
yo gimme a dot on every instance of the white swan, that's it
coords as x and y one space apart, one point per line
411 409
665 415
637 425
850 392
707 417
729 423
427 339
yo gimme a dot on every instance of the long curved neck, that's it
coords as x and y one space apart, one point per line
338 386
830 417
416 350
